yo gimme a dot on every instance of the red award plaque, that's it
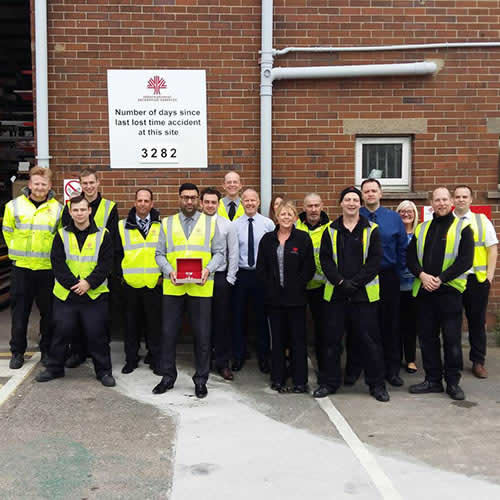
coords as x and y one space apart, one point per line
189 270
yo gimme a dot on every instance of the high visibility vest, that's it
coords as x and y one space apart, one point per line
223 212
29 231
81 262
373 287
480 263
453 237
139 265
103 211
197 246
318 279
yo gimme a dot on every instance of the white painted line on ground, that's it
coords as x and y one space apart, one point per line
17 377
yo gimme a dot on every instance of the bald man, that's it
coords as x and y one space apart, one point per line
439 254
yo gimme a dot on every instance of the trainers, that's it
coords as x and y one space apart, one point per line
47 375
16 361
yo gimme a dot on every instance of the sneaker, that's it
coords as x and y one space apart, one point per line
16 361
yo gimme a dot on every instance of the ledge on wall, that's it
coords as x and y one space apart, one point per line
405 195
493 195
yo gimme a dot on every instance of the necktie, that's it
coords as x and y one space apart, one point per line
251 254
143 224
372 217
189 226
232 210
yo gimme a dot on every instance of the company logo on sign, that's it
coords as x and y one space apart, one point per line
156 83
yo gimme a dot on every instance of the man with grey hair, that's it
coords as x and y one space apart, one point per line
313 220
439 254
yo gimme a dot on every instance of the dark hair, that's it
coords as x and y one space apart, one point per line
187 186
144 189
78 199
210 190
272 212
464 186
366 181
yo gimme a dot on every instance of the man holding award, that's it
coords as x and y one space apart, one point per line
189 250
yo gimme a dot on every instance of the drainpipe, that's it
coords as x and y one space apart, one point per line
266 106
42 99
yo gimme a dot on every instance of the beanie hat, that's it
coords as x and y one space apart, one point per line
350 189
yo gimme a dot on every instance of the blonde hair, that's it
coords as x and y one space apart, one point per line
287 204
409 204
42 172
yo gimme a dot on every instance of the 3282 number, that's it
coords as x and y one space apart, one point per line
156 153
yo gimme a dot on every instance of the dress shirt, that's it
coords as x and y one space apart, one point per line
261 226
490 235
231 252
393 236
188 223
226 200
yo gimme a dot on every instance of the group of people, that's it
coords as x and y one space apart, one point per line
374 280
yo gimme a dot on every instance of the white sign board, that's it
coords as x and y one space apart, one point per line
71 187
157 118
427 212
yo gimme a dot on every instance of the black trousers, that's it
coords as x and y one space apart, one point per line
28 286
475 300
198 310
440 314
93 317
221 320
247 289
288 329
365 335
143 307
315 303
408 325
388 317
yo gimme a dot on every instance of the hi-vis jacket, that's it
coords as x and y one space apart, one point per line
29 231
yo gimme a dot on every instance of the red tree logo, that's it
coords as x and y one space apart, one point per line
156 83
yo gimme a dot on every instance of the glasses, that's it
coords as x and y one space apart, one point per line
189 198
406 212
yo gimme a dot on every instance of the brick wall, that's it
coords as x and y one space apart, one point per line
311 151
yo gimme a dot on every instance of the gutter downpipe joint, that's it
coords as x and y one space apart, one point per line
42 99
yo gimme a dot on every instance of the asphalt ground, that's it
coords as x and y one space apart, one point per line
72 438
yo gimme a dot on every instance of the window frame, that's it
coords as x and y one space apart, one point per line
402 183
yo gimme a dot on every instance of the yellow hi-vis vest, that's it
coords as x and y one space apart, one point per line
29 231
480 262
139 265
223 212
81 262
315 235
453 237
101 215
373 287
197 246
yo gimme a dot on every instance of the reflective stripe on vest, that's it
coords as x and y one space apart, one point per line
34 231
103 212
81 262
480 262
318 279
139 265
453 237
373 287
198 245
223 212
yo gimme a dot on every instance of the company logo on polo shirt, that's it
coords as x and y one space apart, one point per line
157 84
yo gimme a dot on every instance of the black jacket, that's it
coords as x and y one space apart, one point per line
131 223
350 270
434 250
298 264
61 270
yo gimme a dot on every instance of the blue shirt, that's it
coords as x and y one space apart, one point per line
406 279
261 226
393 237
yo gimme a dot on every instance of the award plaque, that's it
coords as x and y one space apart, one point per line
189 270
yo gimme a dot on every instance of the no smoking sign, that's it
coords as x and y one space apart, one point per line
71 188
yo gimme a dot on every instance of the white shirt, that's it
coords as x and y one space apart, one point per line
231 253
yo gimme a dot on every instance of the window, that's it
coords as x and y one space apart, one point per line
387 159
